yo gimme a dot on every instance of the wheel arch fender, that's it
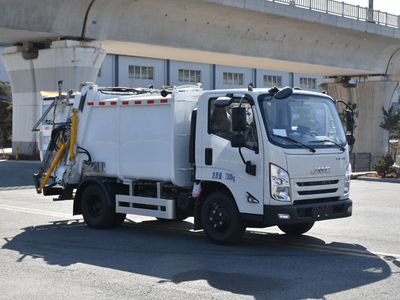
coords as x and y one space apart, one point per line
207 188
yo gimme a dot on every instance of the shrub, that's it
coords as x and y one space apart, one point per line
384 165
5 115
397 171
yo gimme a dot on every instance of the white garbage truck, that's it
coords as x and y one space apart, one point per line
229 158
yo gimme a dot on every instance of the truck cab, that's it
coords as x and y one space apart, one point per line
281 155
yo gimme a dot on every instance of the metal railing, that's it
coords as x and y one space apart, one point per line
345 10
362 162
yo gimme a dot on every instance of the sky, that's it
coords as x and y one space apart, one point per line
390 6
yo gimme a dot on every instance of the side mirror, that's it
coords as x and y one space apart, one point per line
349 120
284 93
238 140
250 168
223 101
350 139
238 119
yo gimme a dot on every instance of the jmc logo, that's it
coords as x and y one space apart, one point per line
321 171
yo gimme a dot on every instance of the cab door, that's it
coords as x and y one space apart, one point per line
218 161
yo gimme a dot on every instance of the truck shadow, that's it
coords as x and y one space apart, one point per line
263 265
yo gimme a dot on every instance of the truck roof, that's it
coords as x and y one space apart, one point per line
259 91
155 96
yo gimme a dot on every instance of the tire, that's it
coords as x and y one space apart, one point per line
296 229
177 219
119 219
96 209
180 216
221 219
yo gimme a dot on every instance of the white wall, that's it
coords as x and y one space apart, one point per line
3 73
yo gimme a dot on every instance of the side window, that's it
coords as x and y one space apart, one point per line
250 133
220 122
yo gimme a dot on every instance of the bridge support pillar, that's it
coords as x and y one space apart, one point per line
34 69
368 97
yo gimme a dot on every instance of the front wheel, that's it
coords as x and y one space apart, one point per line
296 229
221 219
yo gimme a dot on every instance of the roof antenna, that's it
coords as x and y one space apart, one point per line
273 90
165 93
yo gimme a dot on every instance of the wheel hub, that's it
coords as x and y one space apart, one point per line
95 206
218 217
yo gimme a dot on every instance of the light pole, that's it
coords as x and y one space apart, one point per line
371 11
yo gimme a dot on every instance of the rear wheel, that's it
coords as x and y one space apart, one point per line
177 219
296 229
180 216
96 210
119 220
221 219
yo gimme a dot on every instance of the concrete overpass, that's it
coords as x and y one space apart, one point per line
255 33
321 37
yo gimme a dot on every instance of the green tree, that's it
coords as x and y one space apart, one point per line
5 115
391 121
342 113
384 165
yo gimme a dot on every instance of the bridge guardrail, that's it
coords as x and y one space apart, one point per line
345 10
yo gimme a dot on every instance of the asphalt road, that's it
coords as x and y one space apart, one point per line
47 253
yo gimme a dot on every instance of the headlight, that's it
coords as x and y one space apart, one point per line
347 178
280 184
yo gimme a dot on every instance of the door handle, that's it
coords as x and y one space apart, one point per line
208 156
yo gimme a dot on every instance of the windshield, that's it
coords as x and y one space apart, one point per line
302 121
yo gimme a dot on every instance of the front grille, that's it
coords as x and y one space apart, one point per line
314 183
314 201
321 188
314 192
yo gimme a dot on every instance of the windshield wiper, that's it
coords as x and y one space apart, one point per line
328 140
294 141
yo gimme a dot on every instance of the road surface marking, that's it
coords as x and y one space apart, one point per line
34 211
253 238
20 187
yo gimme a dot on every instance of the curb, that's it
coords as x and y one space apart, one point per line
388 180
21 161
356 175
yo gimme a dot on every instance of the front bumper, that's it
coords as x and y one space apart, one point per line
304 213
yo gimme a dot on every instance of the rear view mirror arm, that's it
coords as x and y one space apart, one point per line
241 155
250 168
349 123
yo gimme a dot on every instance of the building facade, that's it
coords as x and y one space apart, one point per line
129 71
